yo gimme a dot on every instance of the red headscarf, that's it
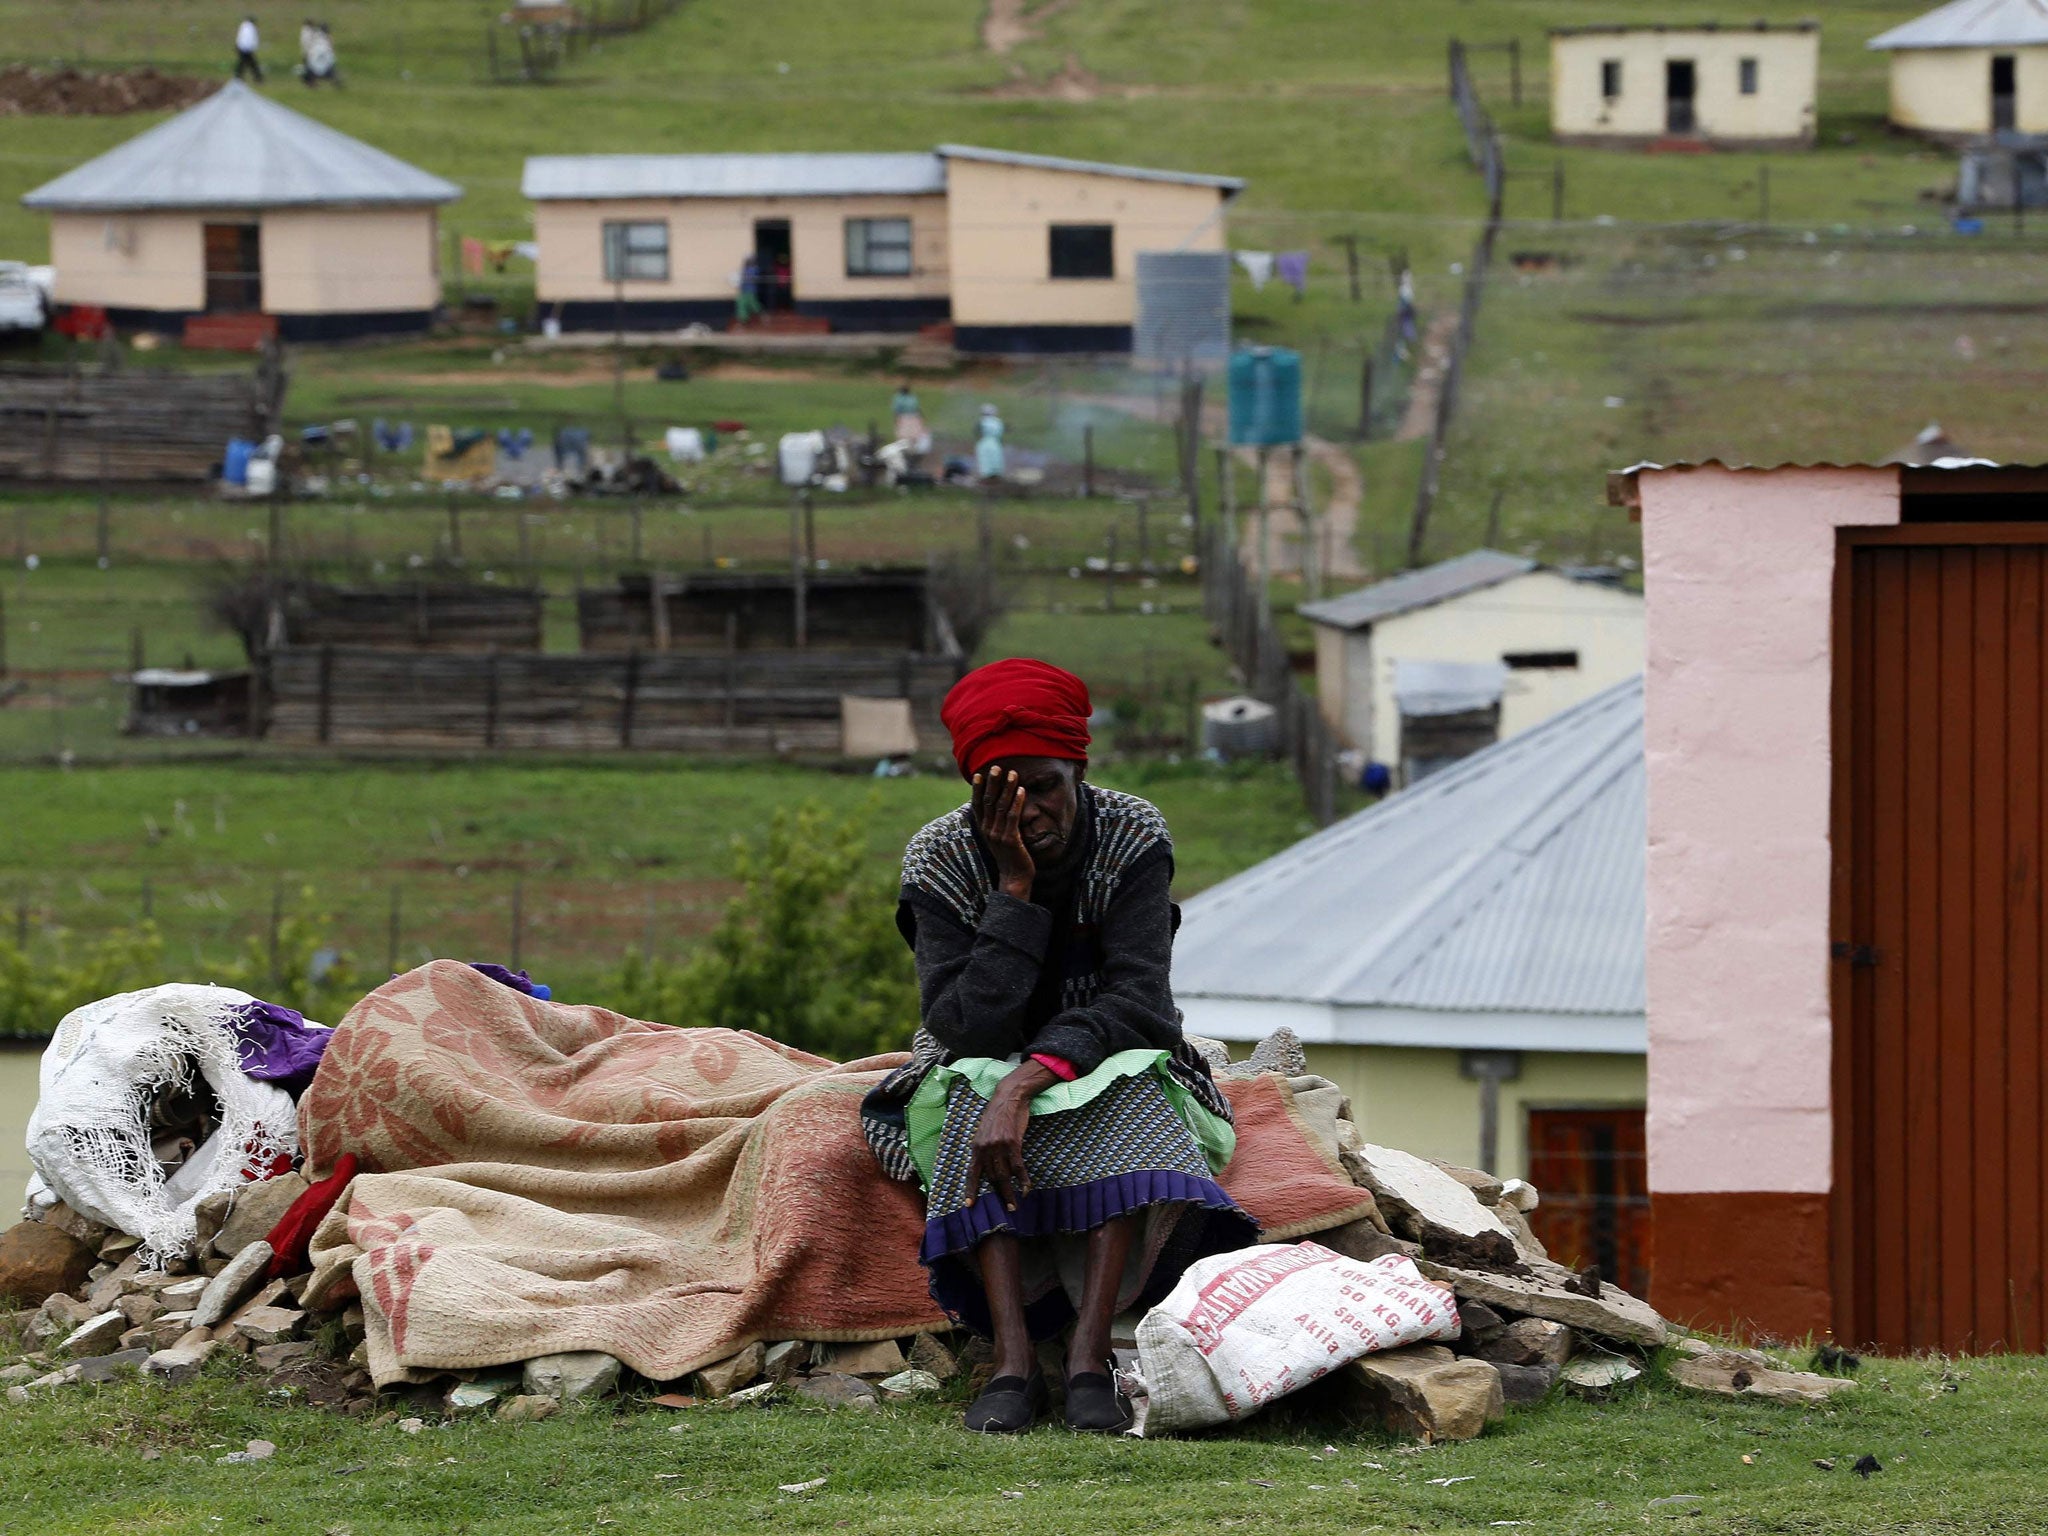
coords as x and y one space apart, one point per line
1016 708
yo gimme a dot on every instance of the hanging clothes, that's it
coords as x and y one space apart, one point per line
473 256
1292 269
1258 266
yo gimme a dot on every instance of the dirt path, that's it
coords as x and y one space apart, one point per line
1336 529
1008 23
1420 417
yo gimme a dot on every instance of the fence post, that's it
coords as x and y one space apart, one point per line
1109 575
799 597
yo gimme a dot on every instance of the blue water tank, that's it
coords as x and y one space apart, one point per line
1265 397
234 468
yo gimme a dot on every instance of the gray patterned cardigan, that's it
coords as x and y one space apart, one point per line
1081 974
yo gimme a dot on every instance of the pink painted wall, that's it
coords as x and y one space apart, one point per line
1739 575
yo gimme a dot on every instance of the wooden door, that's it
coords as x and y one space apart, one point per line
1938 936
1589 1167
234 268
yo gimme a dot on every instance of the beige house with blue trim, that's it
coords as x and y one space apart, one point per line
1020 253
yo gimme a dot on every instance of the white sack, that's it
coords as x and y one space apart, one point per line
89 1136
1244 1328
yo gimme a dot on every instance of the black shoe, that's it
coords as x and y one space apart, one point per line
1008 1405
1095 1406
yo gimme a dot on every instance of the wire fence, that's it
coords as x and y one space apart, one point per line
1483 145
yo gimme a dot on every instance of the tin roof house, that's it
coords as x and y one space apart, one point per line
1466 961
1970 68
1754 86
1019 252
241 207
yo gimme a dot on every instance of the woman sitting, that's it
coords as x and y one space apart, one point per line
1066 1136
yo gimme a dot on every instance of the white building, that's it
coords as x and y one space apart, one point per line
1752 86
1561 636
1970 68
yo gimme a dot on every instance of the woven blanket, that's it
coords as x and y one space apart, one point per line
542 1177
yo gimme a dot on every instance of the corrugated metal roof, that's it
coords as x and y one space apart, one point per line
1417 589
1597 29
1231 184
769 175
1511 882
1972 24
239 149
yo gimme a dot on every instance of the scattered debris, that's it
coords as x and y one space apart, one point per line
1835 1361
909 1383
1865 1465
810 1487
257 1450
1597 1377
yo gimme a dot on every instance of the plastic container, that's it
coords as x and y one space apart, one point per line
1240 727
261 476
234 465
1265 397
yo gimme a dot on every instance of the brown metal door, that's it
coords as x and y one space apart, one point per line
1938 943
1589 1166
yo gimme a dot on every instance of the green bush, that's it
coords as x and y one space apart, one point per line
807 953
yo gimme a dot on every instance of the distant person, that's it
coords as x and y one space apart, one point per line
316 54
988 445
910 428
748 302
247 41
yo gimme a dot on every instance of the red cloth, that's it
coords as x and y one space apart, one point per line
293 1234
1016 708
1058 1066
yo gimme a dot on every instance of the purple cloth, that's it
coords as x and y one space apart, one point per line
1291 267
518 981
276 1045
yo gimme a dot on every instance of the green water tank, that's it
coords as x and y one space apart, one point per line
1265 397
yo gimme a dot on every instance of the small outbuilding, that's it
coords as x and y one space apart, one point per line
241 207
1562 635
1752 87
1970 68
1466 962
1021 253
1845 739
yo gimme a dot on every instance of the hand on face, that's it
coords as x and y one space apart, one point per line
1026 812
998 816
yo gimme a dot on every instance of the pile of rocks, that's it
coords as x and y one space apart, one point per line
1531 1326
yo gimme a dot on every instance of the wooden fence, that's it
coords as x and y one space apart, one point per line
766 702
129 424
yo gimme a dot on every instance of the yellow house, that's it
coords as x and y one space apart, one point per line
1019 252
1971 68
1466 961
240 206
1752 86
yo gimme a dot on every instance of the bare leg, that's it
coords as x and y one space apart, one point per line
1002 1278
1109 1249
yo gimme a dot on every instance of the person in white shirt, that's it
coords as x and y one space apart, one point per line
246 43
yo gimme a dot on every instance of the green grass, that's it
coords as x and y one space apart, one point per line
614 854
1955 1462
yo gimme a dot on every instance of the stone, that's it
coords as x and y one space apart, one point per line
77 1224
526 1409
882 1357
728 1375
1598 1377
1530 1341
1280 1052
1726 1373
270 1325
111 1367
256 1450
139 1338
473 1396
837 1390
1524 1385
1364 1240
14 1375
1527 1243
208 1216
1214 1052
928 1354
255 1209
60 1378
98 1336
758 1393
183 1293
1486 1189
140 1308
37 1261
781 1361
275 1357
192 1336
17 1394
113 1285
1521 1194
57 1316
118 1247
1424 1392
1427 1205
909 1383
576 1374
269 1294
232 1342
1482 1325
239 1280
1613 1314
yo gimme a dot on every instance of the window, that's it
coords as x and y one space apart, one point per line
1745 76
1541 661
878 247
1083 250
1610 78
636 251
